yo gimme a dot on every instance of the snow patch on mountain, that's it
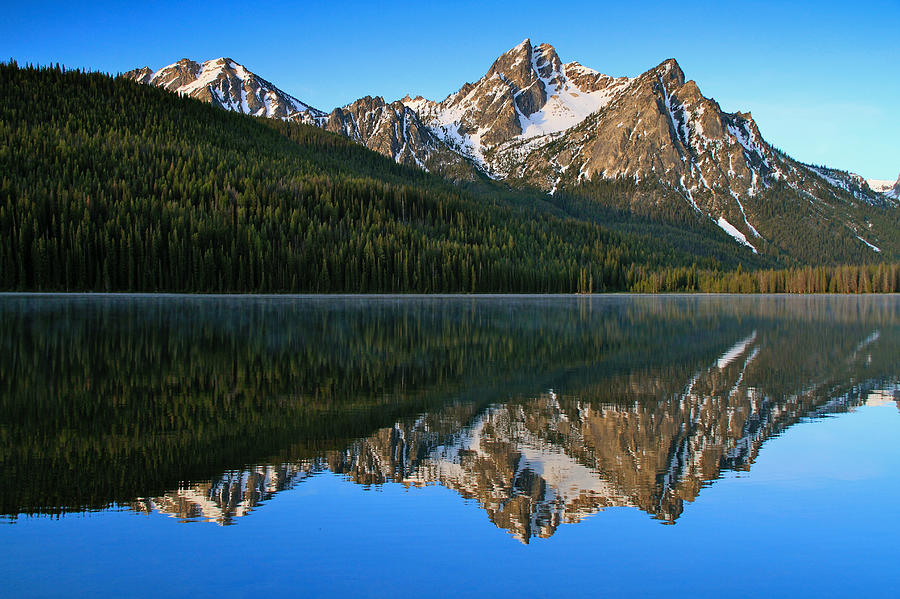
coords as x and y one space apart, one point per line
872 247
231 86
567 105
735 233
831 179
744 214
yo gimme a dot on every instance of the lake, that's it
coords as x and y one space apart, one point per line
170 446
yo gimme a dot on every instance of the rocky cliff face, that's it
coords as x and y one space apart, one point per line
527 93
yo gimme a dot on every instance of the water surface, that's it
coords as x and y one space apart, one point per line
611 445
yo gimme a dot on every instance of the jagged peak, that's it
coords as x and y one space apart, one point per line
221 63
690 91
544 49
368 101
524 44
184 63
514 63
577 66
228 65
669 71
669 64
216 81
141 75
545 60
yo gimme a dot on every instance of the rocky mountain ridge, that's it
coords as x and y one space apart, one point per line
534 121
395 130
392 129
227 84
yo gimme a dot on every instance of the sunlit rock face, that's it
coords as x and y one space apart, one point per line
395 130
227 84
535 121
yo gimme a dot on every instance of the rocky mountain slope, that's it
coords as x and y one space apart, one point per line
227 84
537 121
391 129
534 121
395 130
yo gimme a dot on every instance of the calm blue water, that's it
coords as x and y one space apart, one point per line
605 446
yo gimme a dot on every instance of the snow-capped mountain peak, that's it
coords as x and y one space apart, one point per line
526 93
225 83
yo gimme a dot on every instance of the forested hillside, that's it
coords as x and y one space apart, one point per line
107 185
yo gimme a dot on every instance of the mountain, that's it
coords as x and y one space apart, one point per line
526 93
227 84
533 121
394 130
391 129
111 185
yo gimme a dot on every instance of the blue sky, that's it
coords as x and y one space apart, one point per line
821 79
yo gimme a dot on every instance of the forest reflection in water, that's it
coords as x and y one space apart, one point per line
541 410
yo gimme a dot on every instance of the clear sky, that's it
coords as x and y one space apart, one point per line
822 79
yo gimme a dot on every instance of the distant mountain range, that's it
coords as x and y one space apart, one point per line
534 121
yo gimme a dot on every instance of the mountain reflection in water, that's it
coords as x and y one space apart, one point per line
541 410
